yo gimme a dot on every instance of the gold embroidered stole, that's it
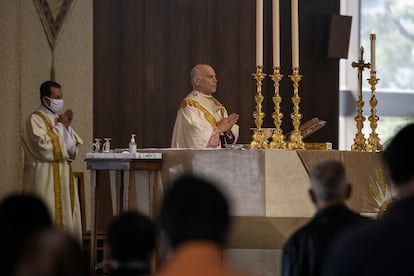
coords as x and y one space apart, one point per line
207 115
218 104
57 157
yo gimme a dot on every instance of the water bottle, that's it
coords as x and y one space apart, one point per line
132 144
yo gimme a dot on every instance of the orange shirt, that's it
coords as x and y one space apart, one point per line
198 258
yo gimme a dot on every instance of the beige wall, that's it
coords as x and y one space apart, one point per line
25 59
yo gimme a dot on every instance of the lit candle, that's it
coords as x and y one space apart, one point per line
276 33
372 37
259 32
295 34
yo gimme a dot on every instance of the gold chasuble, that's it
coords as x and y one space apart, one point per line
196 119
48 171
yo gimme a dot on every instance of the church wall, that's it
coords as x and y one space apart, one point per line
10 91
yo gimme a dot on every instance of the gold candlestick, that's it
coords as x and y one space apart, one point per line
359 140
278 139
259 140
373 140
295 139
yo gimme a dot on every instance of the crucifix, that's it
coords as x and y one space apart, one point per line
359 140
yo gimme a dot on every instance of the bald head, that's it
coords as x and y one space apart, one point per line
203 79
196 71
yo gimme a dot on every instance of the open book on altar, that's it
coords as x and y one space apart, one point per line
309 127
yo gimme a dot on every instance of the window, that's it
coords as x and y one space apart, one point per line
393 22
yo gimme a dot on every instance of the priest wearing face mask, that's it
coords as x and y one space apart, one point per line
50 145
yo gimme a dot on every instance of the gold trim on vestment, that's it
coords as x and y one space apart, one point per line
207 115
57 157
218 104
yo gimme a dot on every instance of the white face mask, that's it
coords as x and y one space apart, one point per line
56 105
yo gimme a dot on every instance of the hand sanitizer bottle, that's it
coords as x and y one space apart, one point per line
132 144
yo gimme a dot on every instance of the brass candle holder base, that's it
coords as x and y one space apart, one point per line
295 139
373 139
259 140
278 139
359 140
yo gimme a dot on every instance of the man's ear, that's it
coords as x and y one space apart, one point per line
45 101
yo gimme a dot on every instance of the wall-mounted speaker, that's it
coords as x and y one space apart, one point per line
332 36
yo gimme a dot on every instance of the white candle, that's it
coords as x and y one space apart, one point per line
295 34
372 37
276 33
259 32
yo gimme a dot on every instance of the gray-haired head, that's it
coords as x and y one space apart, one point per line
204 79
196 71
328 181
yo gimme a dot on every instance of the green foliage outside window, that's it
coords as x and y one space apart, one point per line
393 22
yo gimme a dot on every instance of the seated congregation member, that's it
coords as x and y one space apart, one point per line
131 239
21 218
195 218
202 121
305 251
386 246
52 252
50 145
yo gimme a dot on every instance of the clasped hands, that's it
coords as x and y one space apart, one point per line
66 118
227 123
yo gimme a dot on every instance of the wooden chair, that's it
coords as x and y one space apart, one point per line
101 237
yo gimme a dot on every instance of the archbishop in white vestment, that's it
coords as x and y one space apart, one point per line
50 145
202 121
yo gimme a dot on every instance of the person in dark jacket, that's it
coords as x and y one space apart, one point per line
22 216
131 240
386 246
305 251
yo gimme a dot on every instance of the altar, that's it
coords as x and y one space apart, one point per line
268 191
271 183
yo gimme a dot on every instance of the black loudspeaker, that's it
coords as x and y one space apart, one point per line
333 32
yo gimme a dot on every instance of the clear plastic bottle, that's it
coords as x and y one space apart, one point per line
132 144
